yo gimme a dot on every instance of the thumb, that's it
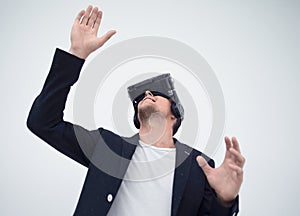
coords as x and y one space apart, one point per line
102 40
204 165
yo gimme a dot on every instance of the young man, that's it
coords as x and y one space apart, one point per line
118 183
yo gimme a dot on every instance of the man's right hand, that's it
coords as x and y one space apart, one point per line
84 38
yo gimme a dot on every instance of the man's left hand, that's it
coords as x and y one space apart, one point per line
226 180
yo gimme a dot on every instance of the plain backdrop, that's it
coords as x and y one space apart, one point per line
253 47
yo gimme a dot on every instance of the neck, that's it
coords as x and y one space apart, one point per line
159 135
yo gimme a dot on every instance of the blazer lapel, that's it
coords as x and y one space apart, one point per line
128 148
183 165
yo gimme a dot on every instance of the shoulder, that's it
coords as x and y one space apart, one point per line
109 138
193 152
105 132
114 137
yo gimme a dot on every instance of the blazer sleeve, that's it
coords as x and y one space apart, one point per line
211 206
46 115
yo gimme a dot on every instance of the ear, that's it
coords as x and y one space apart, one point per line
173 119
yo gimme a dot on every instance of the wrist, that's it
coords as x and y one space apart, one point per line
226 202
78 53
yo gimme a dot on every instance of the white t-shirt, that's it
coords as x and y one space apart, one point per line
148 182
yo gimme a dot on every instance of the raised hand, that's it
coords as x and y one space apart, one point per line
84 39
226 180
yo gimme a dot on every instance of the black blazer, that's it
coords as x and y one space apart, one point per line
107 155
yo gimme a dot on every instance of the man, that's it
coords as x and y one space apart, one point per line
112 186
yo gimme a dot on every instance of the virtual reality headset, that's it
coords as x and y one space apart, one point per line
162 85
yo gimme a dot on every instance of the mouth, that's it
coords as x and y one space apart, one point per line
149 98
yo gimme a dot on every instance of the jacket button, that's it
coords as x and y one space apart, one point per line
109 197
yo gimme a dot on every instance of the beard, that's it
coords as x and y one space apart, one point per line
155 121
150 116
145 113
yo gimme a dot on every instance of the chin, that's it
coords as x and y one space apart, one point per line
146 110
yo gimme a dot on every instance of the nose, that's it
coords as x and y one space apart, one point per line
148 93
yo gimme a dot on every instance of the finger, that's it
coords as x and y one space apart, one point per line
98 20
204 165
237 169
235 144
93 17
238 156
228 146
106 37
228 143
86 16
79 17
109 34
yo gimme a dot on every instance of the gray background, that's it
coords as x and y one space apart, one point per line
253 47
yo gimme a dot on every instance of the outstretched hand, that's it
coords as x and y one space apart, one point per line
84 39
226 180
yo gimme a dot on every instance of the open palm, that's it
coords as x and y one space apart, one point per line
226 180
84 39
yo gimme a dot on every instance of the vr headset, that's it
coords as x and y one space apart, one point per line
161 85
